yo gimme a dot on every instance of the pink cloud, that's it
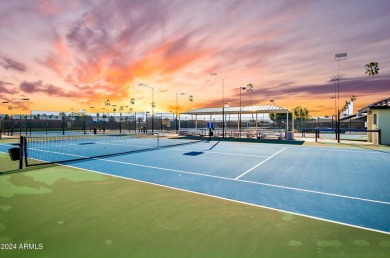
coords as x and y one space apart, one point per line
11 64
7 88
39 86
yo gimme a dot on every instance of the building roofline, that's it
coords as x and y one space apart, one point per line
237 110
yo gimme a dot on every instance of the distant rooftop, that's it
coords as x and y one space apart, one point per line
237 110
381 104
384 103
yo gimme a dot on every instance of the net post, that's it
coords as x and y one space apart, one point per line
158 140
379 137
316 133
21 152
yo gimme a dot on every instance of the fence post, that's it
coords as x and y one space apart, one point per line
21 152
338 126
25 151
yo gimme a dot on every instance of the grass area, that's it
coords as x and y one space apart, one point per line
384 148
74 213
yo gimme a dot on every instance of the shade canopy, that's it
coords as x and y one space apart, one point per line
238 110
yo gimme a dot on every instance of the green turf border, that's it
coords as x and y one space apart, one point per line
77 213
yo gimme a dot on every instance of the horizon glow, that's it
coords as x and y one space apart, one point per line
75 54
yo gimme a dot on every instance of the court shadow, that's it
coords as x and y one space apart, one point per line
13 171
193 153
212 147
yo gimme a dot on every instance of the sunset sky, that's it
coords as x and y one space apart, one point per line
76 54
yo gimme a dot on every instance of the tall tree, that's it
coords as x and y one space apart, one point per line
62 114
249 89
346 105
279 118
301 112
372 68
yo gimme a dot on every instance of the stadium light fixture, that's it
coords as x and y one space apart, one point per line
239 123
339 57
177 94
153 105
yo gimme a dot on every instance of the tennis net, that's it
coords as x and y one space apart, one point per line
57 149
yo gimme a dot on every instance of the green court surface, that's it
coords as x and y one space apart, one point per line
58 211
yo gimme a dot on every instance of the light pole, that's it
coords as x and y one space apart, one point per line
92 121
177 94
191 100
12 113
173 119
223 104
339 57
335 100
147 86
239 123
335 112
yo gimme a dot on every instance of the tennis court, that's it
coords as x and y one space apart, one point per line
342 185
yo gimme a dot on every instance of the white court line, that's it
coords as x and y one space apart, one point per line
55 152
144 146
232 200
95 142
230 179
244 181
333 149
249 170
116 144
9 145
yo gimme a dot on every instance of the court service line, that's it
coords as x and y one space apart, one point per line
230 179
223 153
8 145
249 170
62 153
230 200
245 181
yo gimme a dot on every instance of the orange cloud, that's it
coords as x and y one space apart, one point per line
53 63
61 48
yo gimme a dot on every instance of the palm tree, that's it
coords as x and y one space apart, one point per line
249 89
372 68
346 105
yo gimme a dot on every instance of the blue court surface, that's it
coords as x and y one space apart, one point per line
343 185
